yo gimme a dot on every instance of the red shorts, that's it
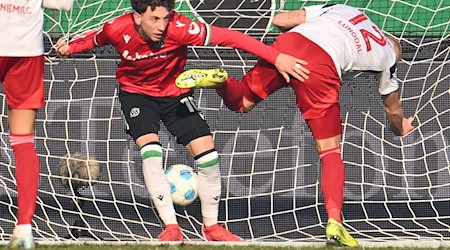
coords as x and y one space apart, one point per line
315 97
23 81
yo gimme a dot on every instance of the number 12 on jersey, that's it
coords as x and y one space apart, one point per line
368 35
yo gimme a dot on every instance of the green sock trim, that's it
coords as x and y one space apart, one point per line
210 163
151 153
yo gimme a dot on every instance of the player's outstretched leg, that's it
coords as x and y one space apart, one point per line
337 235
171 233
26 242
218 233
201 78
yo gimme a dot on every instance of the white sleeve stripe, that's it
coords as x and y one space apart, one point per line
95 38
208 34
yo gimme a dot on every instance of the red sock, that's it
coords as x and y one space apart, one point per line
27 176
333 179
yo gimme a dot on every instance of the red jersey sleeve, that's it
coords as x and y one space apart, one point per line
188 32
91 39
239 40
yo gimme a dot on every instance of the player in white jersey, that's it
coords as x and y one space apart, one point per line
352 40
22 77
336 41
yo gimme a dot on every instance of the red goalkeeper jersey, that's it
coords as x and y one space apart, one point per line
151 68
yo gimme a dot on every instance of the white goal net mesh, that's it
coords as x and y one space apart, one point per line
396 188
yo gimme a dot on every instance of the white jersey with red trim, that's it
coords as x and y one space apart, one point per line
22 24
353 41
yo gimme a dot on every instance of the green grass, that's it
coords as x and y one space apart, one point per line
203 247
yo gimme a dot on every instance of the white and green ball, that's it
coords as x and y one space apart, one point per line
183 184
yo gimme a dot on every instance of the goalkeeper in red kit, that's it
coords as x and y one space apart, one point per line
152 43
337 41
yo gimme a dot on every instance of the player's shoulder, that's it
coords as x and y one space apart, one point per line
179 20
338 8
117 26
179 23
120 23
330 10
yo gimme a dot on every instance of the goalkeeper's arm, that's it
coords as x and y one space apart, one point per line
84 42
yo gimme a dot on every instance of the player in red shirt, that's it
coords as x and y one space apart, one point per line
336 40
152 43
22 77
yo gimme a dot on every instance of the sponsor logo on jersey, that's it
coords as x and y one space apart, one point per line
126 55
194 29
134 112
126 38
179 24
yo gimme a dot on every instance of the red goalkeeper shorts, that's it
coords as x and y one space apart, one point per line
23 81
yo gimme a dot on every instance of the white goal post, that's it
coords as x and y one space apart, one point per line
397 189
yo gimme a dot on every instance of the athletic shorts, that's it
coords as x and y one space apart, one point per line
314 96
23 81
180 115
317 98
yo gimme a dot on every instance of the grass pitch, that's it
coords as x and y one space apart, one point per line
206 247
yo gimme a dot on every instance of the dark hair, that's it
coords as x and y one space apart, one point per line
140 6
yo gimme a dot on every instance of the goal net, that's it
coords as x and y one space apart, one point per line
396 188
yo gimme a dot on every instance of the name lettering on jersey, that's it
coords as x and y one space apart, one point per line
194 29
126 55
12 8
179 24
366 34
353 34
126 38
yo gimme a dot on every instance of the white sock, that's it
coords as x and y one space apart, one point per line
156 182
22 230
209 187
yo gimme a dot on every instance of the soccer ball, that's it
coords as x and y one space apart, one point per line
183 184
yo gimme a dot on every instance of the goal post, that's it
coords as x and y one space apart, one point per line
397 189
